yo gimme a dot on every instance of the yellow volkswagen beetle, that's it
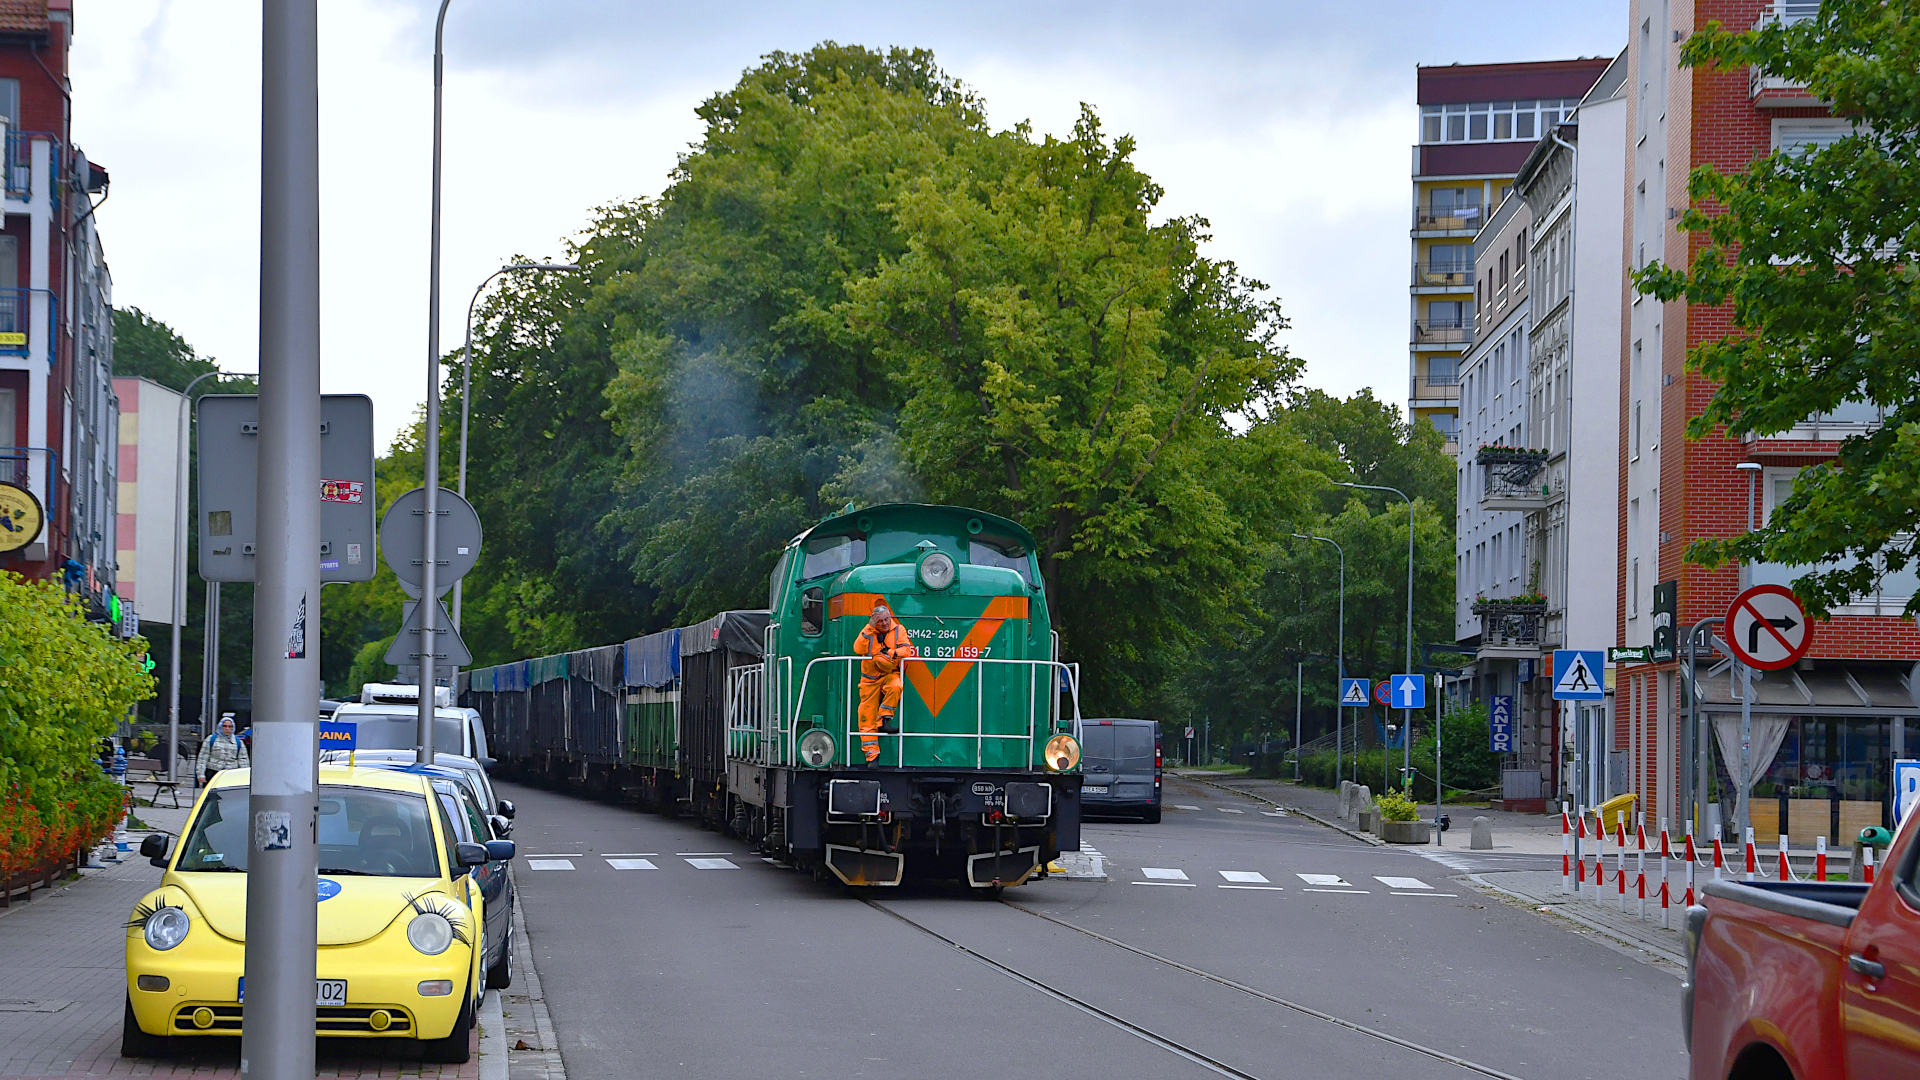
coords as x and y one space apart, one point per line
400 919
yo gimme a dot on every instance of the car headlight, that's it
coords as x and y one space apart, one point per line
430 932
816 748
936 570
166 928
1063 753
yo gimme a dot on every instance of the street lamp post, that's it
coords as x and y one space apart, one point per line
430 517
180 579
1406 717
1339 662
466 383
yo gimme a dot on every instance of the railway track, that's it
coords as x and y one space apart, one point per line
1172 1046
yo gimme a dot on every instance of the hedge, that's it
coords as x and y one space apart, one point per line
65 683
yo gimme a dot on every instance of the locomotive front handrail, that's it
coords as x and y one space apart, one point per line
783 734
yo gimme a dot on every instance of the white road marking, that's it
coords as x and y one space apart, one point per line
1402 882
568 855
1184 806
713 864
701 854
1257 888
1247 877
1175 884
1334 880
1342 892
1229 810
1163 874
549 864
1426 894
1273 813
628 854
632 864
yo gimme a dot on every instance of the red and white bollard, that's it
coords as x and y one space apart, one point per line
1566 850
1868 851
1820 858
1620 857
1719 859
1640 863
1786 868
1752 863
1580 864
1666 854
1692 860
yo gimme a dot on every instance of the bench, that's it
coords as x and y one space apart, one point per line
149 771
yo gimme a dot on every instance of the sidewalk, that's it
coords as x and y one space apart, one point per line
1540 889
63 988
1525 834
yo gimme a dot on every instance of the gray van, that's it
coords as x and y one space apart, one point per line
1120 767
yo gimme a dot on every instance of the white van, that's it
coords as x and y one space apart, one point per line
387 717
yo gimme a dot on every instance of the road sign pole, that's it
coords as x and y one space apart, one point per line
1745 780
1299 668
276 1031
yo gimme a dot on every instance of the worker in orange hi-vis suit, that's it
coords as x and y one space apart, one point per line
881 645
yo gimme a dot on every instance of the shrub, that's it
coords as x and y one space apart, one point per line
1396 806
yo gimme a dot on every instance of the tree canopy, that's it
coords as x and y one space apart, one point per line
1811 251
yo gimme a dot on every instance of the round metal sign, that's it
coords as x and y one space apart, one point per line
457 538
21 517
1767 628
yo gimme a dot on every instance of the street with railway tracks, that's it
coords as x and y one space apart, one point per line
1221 943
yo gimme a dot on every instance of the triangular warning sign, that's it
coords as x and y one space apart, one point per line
449 650
1355 693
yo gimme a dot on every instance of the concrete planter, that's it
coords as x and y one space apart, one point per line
1406 832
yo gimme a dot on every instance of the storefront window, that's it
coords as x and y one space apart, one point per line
1830 777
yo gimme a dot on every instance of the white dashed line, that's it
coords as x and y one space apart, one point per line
1273 813
1425 894
1342 892
1175 884
549 864
713 864
632 864
566 855
628 854
1184 806
1245 877
1256 888
1402 882
702 854
1229 810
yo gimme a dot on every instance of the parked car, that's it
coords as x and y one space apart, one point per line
499 811
1120 766
1804 980
387 717
401 949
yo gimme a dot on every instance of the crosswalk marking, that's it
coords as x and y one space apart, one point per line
1161 873
1229 810
701 854
1174 884
1341 892
556 855
632 864
549 864
1255 888
1456 895
713 864
1245 877
1325 880
1402 882
1184 806
628 854
1273 813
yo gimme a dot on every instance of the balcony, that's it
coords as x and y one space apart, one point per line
1770 91
18 169
16 315
1455 276
1512 628
1464 220
1456 333
1429 390
1513 478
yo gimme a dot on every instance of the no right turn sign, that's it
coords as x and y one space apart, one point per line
1767 628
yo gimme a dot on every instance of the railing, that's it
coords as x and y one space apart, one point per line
765 733
1458 275
1759 80
19 162
1511 626
1447 218
16 467
1443 332
1436 387
16 314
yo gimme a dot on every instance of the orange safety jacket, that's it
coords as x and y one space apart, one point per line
881 652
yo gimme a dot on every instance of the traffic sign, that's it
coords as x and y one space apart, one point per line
1579 675
458 538
1409 691
1500 724
1189 731
448 648
1383 693
1767 628
1906 789
1353 692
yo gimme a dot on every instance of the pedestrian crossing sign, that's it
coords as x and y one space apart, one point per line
1353 692
1579 675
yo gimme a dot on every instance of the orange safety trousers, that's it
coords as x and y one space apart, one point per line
879 700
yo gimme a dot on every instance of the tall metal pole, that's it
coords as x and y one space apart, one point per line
430 519
1339 661
179 580
276 1032
1745 780
1406 715
1299 670
466 384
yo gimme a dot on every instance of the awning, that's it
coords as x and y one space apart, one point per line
1833 688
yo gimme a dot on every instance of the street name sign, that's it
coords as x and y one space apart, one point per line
1409 691
1353 692
1767 628
1579 675
1500 724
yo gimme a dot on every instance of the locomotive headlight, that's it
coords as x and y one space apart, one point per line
936 570
816 748
1063 753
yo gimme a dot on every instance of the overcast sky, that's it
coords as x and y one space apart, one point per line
1287 124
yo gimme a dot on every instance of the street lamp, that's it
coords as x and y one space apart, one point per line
466 381
430 517
180 578
1340 662
1407 718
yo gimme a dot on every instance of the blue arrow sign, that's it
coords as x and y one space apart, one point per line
1409 692
1353 692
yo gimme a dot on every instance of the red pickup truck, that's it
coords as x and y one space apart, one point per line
1807 980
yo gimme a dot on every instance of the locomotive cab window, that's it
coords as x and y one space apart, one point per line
813 611
1011 556
832 554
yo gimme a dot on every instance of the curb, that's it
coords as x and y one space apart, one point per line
493 1038
1309 815
541 1061
1571 913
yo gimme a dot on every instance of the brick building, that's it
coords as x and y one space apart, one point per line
59 417
1826 731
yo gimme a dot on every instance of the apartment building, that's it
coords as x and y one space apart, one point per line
59 417
1477 124
1826 731
151 421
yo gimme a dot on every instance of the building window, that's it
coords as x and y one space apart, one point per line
1790 136
1447 424
1492 121
1447 314
1450 258
10 102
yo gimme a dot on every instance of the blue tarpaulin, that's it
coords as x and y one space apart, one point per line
653 660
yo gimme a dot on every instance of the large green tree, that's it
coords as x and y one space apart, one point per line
1812 253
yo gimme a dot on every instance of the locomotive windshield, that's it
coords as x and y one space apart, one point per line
1003 554
832 554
